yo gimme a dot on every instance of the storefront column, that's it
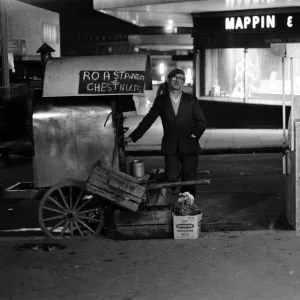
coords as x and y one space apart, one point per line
201 71
4 49
246 89
283 103
196 87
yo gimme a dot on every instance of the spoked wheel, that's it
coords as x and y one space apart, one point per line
67 210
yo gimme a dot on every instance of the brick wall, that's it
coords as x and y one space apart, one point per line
25 22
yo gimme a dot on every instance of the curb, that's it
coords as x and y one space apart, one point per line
252 150
203 234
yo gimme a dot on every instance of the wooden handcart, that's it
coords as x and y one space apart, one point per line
80 206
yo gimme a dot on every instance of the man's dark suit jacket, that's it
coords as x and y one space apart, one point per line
177 128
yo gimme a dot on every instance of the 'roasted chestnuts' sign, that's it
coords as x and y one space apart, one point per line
111 82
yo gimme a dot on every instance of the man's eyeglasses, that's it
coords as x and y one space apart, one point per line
181 79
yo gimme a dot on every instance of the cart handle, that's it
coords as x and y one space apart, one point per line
155 186
110 114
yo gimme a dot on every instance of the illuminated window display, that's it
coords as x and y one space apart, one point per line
252 75
235 55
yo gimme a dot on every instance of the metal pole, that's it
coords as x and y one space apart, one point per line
292 102
197 74
4 48
283 102
245 75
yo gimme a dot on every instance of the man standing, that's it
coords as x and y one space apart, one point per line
183 124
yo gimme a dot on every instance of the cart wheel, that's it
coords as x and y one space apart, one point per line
67 210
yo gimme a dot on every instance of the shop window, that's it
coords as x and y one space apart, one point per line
249 75
50 33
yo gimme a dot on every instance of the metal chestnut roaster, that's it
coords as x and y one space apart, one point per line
77 122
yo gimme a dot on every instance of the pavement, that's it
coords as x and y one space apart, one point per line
213 141
217 266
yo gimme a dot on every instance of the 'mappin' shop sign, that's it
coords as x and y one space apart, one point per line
111 82
261 22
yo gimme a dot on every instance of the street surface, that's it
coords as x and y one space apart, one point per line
245 252
246 192
219 265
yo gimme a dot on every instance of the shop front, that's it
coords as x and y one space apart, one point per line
235 63
251 59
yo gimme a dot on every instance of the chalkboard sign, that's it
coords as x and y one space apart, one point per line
111 82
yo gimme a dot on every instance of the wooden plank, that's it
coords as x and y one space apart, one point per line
111 189
162 171
113 179
130 205
154 186
21 190
118 181
146 231
154 217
